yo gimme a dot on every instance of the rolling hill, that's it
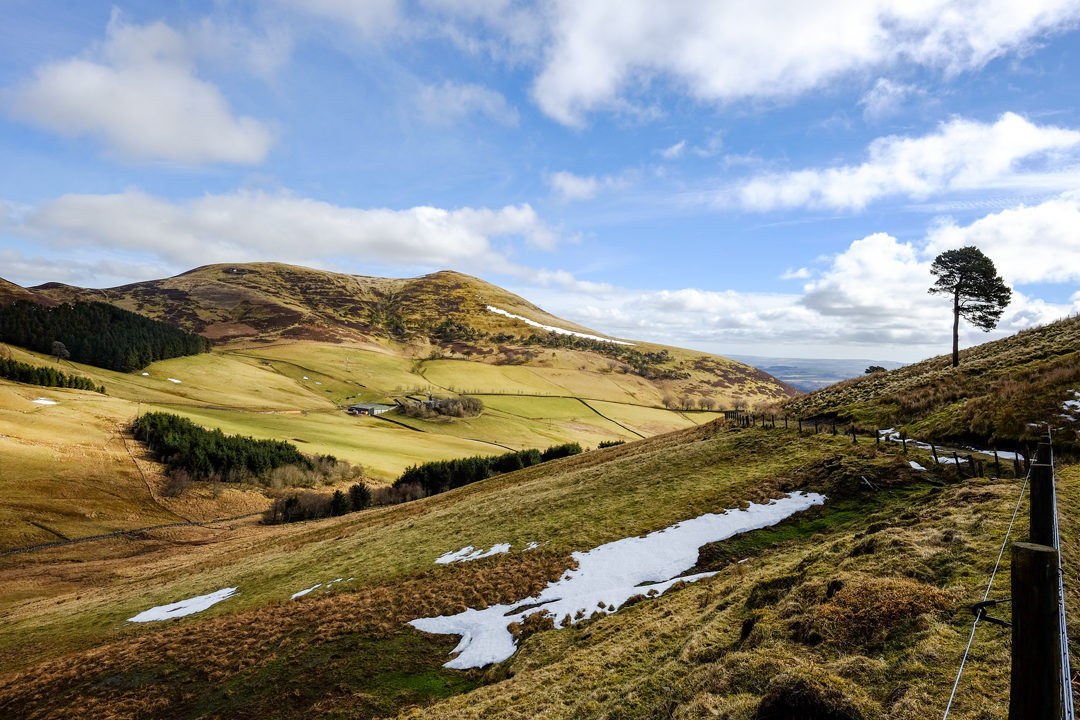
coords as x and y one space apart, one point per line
293 348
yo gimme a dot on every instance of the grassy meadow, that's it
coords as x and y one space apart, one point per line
67 472
901 560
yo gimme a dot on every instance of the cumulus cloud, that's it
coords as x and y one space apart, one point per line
870 298
452 101
961 155
1033 244
796 274
141 98
256 225
600 51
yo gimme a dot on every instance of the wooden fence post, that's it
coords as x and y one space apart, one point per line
997 464
854 440
1041 525
1035 686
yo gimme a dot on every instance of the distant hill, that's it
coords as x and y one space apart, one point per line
446 313
10 292
1006 392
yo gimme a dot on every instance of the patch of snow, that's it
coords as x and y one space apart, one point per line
1072 406
44 401
318 383
532 546
174 380
302 593
468 553
305 377
560 331
184 607
146 374
606 577
915 466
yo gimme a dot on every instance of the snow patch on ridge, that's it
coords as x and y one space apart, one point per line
560 331
606 577
184 607
468 553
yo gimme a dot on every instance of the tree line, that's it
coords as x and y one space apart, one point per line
441 475
212 455
46 377
97 334
310 505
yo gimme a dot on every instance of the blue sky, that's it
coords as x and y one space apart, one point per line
766 178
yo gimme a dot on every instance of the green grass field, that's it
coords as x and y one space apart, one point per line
917 547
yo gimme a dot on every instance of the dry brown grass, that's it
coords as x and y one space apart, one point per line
191 653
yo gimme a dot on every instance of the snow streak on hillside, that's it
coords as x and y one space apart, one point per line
560 331
606 577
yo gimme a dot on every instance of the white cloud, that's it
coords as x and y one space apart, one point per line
885 98
869 300
796 274
140 96
602 50
256 226
452 101
568 186
1027 244
960 155
673 152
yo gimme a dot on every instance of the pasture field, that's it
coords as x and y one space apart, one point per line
65 470
382 448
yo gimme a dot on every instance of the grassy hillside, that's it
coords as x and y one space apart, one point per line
862 599
407 318
857 608
1004 392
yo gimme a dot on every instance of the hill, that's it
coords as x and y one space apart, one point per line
10 292
1005 393
442 315
538 389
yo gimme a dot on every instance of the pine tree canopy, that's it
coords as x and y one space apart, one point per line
970 278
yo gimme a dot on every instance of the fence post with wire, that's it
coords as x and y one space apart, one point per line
1040 683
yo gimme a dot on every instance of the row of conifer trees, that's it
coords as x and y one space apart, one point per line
46 377
97 334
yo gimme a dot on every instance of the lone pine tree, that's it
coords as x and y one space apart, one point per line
978 293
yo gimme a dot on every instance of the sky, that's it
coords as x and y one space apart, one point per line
770 178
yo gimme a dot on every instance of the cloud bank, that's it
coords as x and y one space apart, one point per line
140 97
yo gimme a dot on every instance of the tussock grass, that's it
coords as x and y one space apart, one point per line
1002 393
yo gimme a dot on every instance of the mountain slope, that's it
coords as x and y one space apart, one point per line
1004 392
445 314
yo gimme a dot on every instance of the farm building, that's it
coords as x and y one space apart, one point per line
368 409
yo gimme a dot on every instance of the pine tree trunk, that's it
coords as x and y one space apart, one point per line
956 329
